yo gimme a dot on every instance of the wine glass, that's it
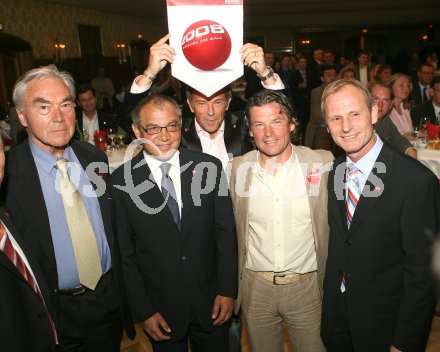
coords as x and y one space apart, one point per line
111 136
121 143
85 135
423 132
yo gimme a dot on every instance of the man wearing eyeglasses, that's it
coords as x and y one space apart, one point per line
177 235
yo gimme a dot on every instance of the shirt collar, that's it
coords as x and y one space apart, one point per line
155 163
46 160
366 163
201 131
258 169
90 119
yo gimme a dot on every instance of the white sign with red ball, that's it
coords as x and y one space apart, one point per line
207 35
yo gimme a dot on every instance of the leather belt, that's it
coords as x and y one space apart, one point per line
74 291
283 279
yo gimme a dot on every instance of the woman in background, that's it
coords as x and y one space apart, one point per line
400 114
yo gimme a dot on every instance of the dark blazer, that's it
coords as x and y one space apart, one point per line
24 324
358 74
25 203
423 110
416 93
105 120
167 271
389 133
385 255
236 134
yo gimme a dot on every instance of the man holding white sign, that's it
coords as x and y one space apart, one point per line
214 131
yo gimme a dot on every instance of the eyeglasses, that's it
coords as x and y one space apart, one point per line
153 129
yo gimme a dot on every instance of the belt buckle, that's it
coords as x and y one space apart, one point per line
275 279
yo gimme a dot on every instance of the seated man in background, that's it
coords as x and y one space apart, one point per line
89 119
383 98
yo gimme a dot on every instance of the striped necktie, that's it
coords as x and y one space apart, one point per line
353 192
351 201
15 258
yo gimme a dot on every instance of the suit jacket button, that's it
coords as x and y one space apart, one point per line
41 315
347 243
183 257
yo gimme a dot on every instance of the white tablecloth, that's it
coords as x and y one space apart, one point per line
430 158
117 157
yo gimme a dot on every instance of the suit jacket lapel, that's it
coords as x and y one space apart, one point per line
33 264
186 174
153 197
373 189
336 189
103 200
33 209
232 140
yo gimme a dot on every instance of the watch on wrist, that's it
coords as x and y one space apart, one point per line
270 74
149 76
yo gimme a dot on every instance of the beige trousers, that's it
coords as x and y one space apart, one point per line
267 307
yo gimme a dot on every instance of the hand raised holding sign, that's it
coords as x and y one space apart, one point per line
160 54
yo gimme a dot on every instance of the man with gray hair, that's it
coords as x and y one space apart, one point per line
279 193
383 215
62 209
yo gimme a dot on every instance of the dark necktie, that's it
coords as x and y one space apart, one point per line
15 258
169 193
425 97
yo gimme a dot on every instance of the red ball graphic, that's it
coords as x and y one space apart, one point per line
206 45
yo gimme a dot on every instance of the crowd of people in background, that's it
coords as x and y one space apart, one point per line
92 254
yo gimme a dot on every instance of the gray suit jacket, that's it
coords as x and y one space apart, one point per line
241 180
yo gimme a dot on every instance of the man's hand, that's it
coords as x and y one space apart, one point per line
222 310
394 349
155 326
253 56
160 54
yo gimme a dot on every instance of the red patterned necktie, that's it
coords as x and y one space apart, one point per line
15 258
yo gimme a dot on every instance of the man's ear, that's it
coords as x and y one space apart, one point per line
136 130
374 114
22 118
229 102
190 105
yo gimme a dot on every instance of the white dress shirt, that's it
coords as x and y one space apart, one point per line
154 165
90 125
214 146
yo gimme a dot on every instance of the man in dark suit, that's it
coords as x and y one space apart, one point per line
301 93
88 118
363 69
384 214
86 291
420 89
26 323
177 235
431 108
